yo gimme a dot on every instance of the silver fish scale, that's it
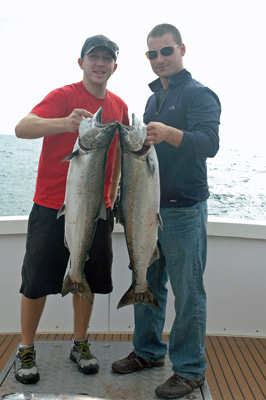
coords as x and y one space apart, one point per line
144 209
60 375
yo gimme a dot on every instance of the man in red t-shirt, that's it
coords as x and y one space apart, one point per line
57 118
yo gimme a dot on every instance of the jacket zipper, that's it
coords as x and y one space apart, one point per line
161 103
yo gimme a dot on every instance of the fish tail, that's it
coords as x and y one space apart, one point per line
81 288
131 297
61 211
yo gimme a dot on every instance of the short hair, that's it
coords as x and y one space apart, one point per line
162 29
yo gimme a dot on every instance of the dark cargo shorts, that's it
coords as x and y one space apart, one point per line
46 256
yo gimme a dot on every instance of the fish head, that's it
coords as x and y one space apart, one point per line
90 127
93 132
133 137
105 136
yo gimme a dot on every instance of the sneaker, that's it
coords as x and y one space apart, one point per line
81 355
133 363
25 365
176 387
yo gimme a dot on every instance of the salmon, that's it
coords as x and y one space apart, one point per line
138 209
84 199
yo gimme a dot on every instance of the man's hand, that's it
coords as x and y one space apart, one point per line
74 119
158 132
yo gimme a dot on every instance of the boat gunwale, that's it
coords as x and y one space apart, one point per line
217 227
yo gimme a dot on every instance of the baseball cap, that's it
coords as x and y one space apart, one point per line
99 40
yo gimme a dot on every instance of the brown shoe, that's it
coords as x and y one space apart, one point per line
133 363
176 387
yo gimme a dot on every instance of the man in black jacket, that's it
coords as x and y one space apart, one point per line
182 118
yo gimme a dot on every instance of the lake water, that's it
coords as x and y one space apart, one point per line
237 180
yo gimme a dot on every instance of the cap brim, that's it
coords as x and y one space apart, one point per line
103 46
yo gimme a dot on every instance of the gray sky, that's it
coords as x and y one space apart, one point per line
40 43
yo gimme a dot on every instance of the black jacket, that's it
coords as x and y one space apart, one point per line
194 109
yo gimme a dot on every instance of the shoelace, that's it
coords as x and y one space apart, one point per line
27 357
83 348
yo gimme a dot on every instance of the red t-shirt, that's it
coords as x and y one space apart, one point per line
52 172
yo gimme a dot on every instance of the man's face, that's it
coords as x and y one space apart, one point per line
166 66
98 66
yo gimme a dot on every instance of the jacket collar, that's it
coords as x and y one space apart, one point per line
173 80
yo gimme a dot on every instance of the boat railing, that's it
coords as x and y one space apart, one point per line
235 281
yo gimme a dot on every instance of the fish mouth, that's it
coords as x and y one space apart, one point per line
143 151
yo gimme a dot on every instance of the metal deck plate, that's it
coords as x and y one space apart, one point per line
60 375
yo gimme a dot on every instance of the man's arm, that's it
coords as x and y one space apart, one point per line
33 127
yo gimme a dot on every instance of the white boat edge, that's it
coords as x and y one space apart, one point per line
235 281
250 229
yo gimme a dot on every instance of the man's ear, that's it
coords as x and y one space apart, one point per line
183 49
80 62
115 67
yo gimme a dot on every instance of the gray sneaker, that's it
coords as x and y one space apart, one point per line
81 355
26 370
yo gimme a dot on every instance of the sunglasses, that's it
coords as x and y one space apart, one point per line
164 51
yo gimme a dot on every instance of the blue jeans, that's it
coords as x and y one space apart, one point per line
183 247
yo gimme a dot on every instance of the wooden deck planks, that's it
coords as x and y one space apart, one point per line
251 365
257 350
236 368
218 371
8 344
234 371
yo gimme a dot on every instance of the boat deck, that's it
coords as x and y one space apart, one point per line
236 366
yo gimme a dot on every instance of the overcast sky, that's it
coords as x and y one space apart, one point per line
40 43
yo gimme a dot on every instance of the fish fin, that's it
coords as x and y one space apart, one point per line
70 156
102 211
131 297
98 115
65 242
155 255
61 211
81 288
151 164
160 221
